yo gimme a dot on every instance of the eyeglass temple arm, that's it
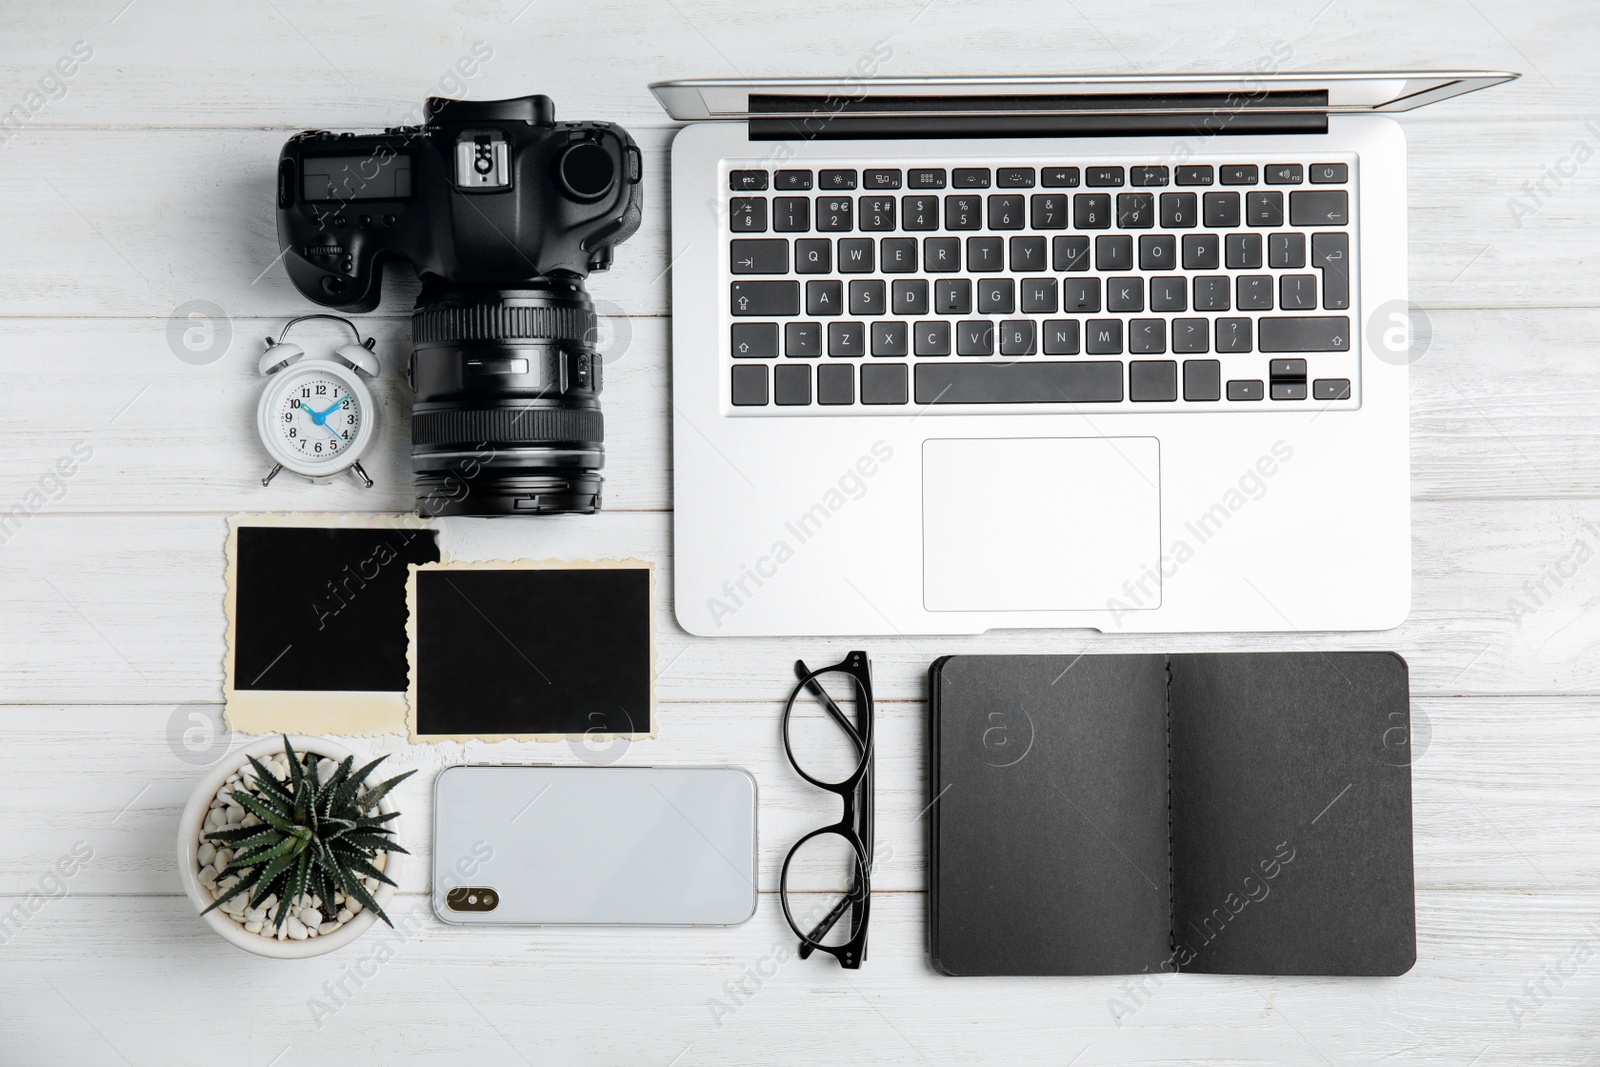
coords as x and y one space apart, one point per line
802 672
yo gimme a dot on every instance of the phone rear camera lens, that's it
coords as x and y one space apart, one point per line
587 170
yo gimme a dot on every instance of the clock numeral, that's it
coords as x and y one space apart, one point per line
322 390
288 416
294 402
294 431
319 447
351 419
306 392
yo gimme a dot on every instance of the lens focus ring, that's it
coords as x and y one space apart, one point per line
501 322
507 426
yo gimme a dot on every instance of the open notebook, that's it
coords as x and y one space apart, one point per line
1220 813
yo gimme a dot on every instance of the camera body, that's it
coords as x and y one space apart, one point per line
491 193
503 212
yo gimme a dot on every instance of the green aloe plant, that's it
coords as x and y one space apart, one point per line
315 837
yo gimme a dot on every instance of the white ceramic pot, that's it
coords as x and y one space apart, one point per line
194 815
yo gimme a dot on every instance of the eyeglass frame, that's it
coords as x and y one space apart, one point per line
856 793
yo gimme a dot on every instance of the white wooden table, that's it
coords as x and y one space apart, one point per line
144 181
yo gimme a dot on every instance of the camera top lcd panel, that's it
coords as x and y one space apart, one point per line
487 193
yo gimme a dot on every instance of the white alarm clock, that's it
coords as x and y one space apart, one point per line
317 416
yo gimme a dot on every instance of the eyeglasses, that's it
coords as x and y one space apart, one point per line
827 735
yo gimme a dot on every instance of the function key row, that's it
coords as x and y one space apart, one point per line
741 181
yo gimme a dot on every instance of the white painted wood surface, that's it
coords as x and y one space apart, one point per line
145 183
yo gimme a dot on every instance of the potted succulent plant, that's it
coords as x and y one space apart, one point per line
288 851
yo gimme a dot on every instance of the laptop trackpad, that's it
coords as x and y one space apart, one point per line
1041 523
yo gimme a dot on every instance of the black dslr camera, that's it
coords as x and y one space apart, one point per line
503 212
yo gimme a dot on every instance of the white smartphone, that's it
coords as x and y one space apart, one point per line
641 846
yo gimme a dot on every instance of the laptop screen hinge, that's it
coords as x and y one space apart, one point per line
777 117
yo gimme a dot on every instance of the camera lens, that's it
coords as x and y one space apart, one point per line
507 414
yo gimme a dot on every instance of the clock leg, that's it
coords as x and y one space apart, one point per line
361 472
273 473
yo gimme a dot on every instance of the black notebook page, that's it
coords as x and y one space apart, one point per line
1291 814
1048 851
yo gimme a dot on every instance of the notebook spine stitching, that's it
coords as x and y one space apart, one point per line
1172 912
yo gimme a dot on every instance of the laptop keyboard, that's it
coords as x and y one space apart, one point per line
1219 286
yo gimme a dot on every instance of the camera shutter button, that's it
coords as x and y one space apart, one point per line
587 170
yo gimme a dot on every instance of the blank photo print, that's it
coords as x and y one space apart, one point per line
317 614
537 650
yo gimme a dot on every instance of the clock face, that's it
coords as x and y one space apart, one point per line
315 417
318 417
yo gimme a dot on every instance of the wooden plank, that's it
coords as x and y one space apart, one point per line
188 215
1488 773
89 979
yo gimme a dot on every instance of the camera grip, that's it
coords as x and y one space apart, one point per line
356 290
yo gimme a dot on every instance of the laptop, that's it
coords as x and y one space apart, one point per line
1126 354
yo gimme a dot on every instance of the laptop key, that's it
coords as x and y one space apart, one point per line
885 383
1195 176
1179 211
1027 253
925 178
880 179
890 339
1191 335
764 299
1221 210
1245 389
1049 211
747 180
1254 292
836 383
791 385
750 386
747 214
931 338
1136 211
770 256
1059 177
1148 337
1330 253
1319 207
963 212
1233 335
1080 296
1212 293
1148 176
996 296
1201 251
1086 382
1297 292
1124 294
1329 173
792 179
1103 337
1244 251
1061 337
970 178
1153 380
1315 333
868 297
1014 177
837 179
974 337
754 340
822 297
1006 212
813 255
1286 251
1169 294
847 340
1264 209
1092 211
1330 388
952 296
1016 337
909 296
791 214
856 255
835 214
1288 390
1285 174
941 254
876 212
1202 379
1069 253
985 253
919 212
1103 176
1038 296
898 254
1158 251
1113 252
802 340
1240 174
